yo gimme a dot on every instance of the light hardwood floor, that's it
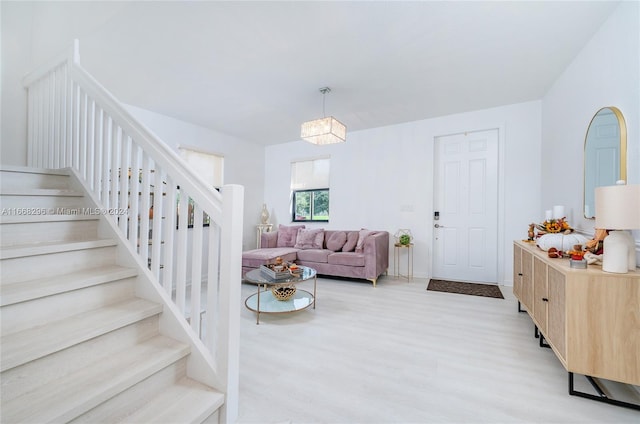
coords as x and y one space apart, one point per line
401 354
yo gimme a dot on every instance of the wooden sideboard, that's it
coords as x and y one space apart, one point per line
590 318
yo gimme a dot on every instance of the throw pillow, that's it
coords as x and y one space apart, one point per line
363 234
336 241
352 240
287 235
269 239
309 238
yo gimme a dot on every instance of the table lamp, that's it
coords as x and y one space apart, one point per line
618 208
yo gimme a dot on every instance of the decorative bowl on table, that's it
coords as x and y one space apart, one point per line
283 291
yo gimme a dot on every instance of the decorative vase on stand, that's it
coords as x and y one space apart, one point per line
264 216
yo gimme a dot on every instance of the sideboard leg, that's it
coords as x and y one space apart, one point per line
571 391
538 335
542 342
596 386
520 307
601 397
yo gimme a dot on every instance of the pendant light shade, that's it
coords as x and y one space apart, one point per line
327 130
324 131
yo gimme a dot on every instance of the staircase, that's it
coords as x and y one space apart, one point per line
78 343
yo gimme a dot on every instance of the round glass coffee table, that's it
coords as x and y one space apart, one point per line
264 302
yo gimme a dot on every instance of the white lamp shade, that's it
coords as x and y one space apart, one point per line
618 207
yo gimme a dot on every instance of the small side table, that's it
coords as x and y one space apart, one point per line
397 248
262 228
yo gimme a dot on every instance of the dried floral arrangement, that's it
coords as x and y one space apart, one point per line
553 226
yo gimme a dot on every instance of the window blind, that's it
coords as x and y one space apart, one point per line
209 166
310 174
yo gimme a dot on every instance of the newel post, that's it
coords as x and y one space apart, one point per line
230 297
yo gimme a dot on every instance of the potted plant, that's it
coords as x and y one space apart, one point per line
403 237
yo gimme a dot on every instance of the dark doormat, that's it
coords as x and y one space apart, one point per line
473 289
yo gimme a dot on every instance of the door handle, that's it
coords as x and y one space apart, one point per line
438 226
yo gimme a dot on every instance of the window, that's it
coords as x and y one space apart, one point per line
310 189
209 166
311 205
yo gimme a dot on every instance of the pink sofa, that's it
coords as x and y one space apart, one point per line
362 254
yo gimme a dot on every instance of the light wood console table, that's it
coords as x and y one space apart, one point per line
590 318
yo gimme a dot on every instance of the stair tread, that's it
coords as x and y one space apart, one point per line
76 393
186 401
28 345
11 293
32 249
65 192
17 219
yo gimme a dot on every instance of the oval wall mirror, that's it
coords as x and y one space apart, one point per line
605 154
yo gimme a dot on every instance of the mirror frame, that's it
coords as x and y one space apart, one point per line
623 152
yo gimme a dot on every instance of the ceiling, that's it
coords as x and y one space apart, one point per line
253 69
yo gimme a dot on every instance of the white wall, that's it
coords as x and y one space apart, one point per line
16 62
243 161
382 179
605 73
32 33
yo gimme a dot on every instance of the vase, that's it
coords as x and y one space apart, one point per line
264 216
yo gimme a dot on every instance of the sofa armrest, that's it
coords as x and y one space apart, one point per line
376 254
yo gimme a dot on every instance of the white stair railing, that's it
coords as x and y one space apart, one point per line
182 229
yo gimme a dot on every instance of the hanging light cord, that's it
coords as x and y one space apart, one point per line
324 91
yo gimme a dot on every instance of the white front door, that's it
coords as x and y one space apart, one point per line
466 202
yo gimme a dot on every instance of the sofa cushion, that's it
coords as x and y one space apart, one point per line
314 255
311 238
346 258
255 258
362 234
336 241
269 239
287 235
352 240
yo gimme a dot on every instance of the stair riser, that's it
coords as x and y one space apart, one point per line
39 266
119 407
42 205
13 180
27 377
36 312
32 232
55 284
213 418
